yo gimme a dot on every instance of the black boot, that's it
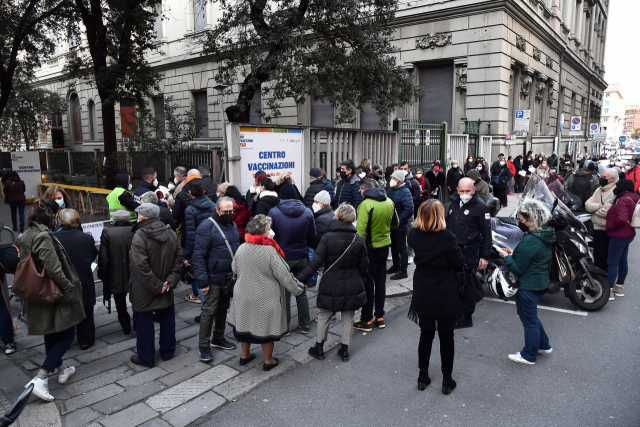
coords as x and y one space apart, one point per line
465 322
423 379
125 324
343 352
393 269
21 228
448 384
15 227
317 351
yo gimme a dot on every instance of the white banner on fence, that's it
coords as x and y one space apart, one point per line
275 151
94 229
27 164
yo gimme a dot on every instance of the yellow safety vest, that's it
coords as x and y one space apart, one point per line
115 205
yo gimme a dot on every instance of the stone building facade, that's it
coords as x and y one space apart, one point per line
476 59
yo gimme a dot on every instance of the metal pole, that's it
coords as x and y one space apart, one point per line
225 150
560 107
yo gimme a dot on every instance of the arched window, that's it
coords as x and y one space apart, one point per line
91 106
76 118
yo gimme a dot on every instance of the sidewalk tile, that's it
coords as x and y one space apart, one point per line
97 381
89 398
128 398
105 364
249 380
108 350
156 422
191 411
142 377
80 418
132 416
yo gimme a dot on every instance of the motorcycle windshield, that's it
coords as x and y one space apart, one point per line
537 189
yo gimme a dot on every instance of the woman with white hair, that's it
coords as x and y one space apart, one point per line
530 262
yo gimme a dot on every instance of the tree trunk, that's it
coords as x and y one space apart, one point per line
110 142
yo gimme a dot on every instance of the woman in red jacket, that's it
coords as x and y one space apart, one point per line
621 235
241 212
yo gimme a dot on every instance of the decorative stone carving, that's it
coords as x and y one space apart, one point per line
433 40
577 42
550 91
525 86
545 11
549 62
540 87
461 84
537 54
565 29
533 2
521 43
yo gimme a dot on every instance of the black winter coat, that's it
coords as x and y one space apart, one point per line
14 188
435 181
167 218
348 191
503 173
453 178
470 223
210 187
435 290
415 188
82 252
145 187
342 286
315 187
113 258
267 200
323 220
211 259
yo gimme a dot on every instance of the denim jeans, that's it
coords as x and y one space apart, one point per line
535 338
375 284
6 322
146 334
56 345
304 316
617 260
17 206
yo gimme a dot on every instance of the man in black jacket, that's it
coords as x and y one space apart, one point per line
469 220
316 185
323 215
267 198
348 187
149 183
210 186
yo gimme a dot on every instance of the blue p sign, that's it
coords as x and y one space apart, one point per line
623 138
519 114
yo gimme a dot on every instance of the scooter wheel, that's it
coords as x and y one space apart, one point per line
586 299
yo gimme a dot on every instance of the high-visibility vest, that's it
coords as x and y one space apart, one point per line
114 204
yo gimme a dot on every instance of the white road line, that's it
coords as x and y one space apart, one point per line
542 307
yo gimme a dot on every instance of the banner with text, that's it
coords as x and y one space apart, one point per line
27 164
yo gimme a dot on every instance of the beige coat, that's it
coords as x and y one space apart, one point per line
599 205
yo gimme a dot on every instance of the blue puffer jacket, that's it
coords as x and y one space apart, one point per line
295 229
348 191
401 197
200 209
211 258
145 187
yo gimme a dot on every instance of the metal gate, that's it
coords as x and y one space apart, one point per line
485 147
457 148
421 142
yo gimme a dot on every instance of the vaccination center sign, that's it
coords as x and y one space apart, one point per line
275 151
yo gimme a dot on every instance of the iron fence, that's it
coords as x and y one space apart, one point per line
58 162
421 142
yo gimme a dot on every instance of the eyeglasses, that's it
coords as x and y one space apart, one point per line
226 212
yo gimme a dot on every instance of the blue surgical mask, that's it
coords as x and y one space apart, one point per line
60 202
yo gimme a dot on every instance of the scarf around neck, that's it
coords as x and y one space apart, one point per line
263 240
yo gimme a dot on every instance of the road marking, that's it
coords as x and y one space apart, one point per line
542 307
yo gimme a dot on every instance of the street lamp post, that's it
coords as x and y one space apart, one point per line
219 88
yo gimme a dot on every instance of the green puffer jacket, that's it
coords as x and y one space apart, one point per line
376 218
49 253
530 261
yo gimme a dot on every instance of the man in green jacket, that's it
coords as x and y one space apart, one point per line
376 218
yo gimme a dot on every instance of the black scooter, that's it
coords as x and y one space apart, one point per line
15 411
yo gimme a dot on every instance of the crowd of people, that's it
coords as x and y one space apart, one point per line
246 254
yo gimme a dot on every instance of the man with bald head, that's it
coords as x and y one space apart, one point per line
469 220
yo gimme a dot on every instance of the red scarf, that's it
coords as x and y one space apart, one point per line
262 240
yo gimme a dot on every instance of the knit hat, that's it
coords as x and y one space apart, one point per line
315 173
287 192
323 198
399 174
149 210
473 174
121 215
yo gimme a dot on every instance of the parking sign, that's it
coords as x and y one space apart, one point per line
522 121
593 128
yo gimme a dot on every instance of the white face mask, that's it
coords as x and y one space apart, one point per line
171 186
217 194
155 182
271 234
455 166
479 168
470 160
612 163
393 183
362 175
60 202
502 163
465 197
418 175
130 187
539 158
175 179
627 168
315 207
259 190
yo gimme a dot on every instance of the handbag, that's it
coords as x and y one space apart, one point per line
495 179
321 274
635 217
34 287
469 285
229 281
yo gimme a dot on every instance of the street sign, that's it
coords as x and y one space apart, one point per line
510 139
417 141
622 139
522 121
593 128
561 121
576 123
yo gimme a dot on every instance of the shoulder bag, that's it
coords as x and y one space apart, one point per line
635 216
34 287
321 274
229 281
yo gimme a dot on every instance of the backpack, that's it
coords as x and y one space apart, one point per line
582 188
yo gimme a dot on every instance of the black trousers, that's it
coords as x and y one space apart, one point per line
399 251
374 284
519 186
86 330
146 334
471 260
601 249
446 350
121 308
501 194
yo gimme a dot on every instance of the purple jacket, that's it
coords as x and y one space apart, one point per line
619 216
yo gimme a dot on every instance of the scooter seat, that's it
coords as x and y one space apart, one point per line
501 241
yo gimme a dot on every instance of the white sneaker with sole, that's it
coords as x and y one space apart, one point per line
41 388
618 290
540 351
66 374
519 359
612 296
410 260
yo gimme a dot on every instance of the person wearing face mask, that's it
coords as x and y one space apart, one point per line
437 180
482 168
500 177
323 215
179 175
401 197
599 204
14 189
469 164
543 170
295 230
379 176
580 161
267 197
453 177
316 185
149 183
416 188
182 200
419 176
348 188
512 168
519 185
632 172
216 238
55 321
61 197
121 197
539 159
469 219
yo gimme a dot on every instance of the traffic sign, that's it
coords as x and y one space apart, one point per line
510 139
593 128
622 139
637 149
576 123
417 141
522 121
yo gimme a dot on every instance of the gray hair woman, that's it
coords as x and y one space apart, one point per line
530 262
258 314
343 254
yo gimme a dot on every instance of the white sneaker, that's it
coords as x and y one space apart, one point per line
612 296
389 258
66 374
540 351
519 359
41 388
410 260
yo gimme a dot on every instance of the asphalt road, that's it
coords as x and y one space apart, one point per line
591 379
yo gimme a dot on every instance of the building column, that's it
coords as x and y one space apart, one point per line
567 13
